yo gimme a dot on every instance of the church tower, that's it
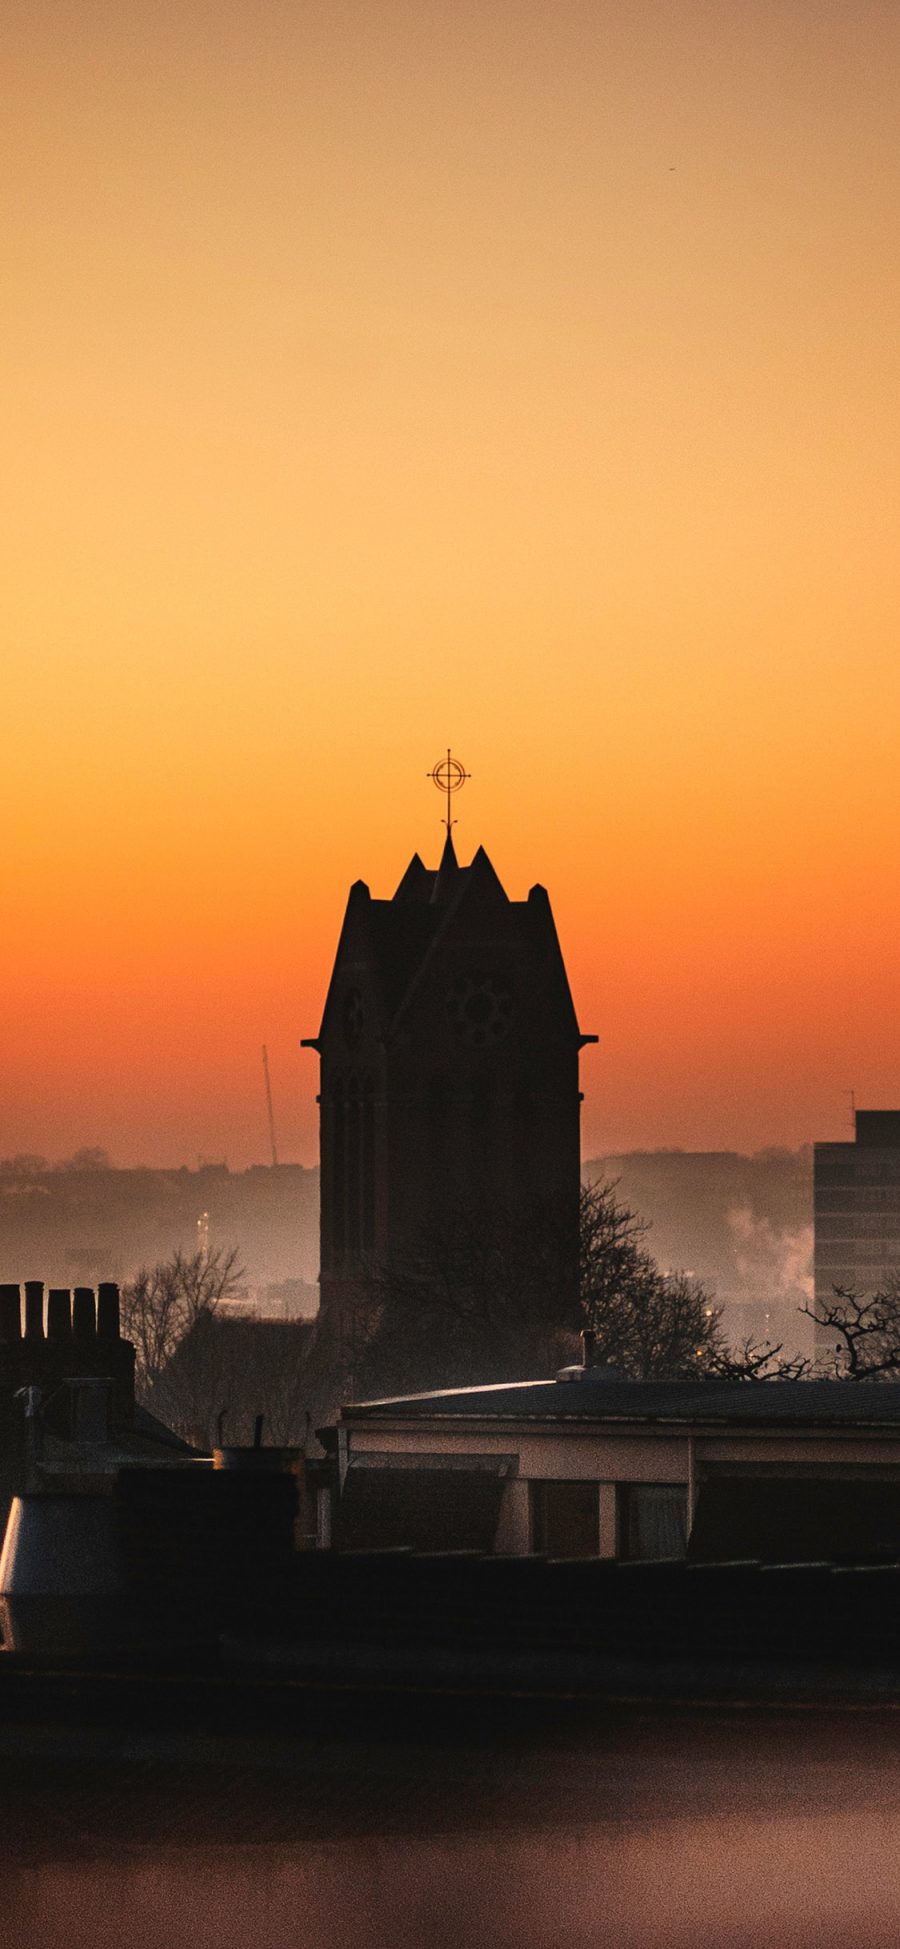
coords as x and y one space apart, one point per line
449 1053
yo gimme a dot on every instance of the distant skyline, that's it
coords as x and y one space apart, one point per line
512 375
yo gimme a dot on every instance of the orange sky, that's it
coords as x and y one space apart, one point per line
521 373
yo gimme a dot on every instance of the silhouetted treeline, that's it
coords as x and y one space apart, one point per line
741 1225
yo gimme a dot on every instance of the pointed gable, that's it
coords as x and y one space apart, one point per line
390 947
446 878
415 885
456 888
483 885
546 949
351 948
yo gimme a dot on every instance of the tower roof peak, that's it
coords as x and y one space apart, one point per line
447 875
416 882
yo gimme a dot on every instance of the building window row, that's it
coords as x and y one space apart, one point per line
651 1519
862 1224
352 1190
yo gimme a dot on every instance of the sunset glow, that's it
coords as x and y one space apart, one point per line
515 375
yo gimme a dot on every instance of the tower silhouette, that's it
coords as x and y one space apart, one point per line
449 1050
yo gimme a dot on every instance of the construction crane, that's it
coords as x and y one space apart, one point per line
265 1056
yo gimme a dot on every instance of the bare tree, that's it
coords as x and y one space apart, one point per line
656 1325
489 1302
611 1251
866 1330
484 1297
756 1360
160 1306
671 1326
196 1363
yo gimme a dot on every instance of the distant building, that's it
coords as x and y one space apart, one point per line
857 1210
81 1224
229 1369
449 1053
588 1465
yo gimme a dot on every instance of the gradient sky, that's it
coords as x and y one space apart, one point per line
515 373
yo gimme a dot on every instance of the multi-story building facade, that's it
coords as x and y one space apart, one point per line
857 1210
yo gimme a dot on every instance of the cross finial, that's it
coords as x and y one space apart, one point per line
449 776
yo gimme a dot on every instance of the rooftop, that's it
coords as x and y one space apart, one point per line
589 1399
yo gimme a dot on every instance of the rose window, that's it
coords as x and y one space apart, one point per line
480 1008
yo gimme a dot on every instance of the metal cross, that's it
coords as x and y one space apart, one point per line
449 776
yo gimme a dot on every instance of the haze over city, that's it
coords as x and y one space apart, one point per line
450 1253
520 376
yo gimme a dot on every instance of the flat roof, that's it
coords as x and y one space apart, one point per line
834 1404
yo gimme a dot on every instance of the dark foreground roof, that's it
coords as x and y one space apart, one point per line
732 1403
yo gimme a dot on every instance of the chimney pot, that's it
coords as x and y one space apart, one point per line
10 1314
84 1313
34 1309
108 1317
59 1313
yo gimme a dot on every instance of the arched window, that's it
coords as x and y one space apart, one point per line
354 1165
338 1172
368 1166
